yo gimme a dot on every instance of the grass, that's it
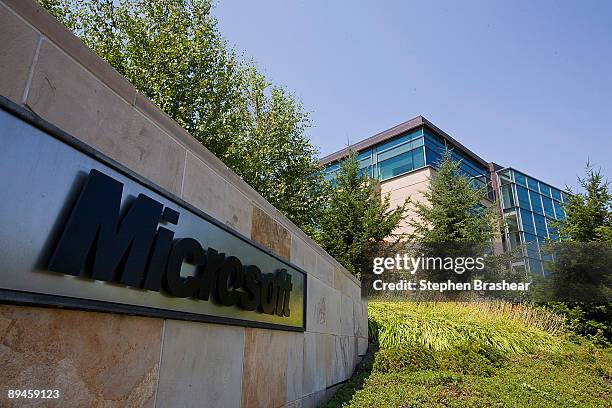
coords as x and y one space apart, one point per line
475 355
440 326
525 380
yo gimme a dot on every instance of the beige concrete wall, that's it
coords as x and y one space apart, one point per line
99 359
409 186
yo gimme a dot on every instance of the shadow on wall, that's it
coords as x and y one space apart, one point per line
363 370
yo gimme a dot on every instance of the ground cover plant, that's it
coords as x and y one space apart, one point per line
476 354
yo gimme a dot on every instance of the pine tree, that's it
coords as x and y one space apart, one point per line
588 215
454 211
581 278
355 216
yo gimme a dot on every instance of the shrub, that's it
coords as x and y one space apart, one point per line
404 359
588 320
471 358
411 389
529 380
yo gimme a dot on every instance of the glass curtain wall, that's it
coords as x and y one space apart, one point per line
477 173
529 208
390 159
409 152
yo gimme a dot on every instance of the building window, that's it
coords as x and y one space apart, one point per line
505 177
532 184
536 204
388 153
400 164
548 207
540 224
527 222
433 157
560 214
507 196
545 190
535 266
523 197
402 139
520 179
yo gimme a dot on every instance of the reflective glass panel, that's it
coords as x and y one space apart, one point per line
504 177
548 207
532 184
523 197
536 204
553 232
514 239
527 222
418 158
365 155
401 139
387 154
433 157
531 245
564 196
535 266
560 214
395 166
540 224
511 221
530 237
507 196
520 179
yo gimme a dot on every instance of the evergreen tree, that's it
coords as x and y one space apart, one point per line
581 275
454 211
355 216
588 214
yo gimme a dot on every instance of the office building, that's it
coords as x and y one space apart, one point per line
403 158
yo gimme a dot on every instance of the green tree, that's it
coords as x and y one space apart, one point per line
580 276
173 53
588 214
355 216
453 211
278 159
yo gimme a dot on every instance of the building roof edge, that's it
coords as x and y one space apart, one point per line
396 131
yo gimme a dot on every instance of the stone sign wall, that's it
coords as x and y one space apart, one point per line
108 359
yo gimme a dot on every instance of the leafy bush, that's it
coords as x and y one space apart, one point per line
400 359
472 358
410 389
469 358
588 320
462 360
576 376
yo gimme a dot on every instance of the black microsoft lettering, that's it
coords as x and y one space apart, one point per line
135 251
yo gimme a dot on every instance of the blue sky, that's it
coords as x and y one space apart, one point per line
525 84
